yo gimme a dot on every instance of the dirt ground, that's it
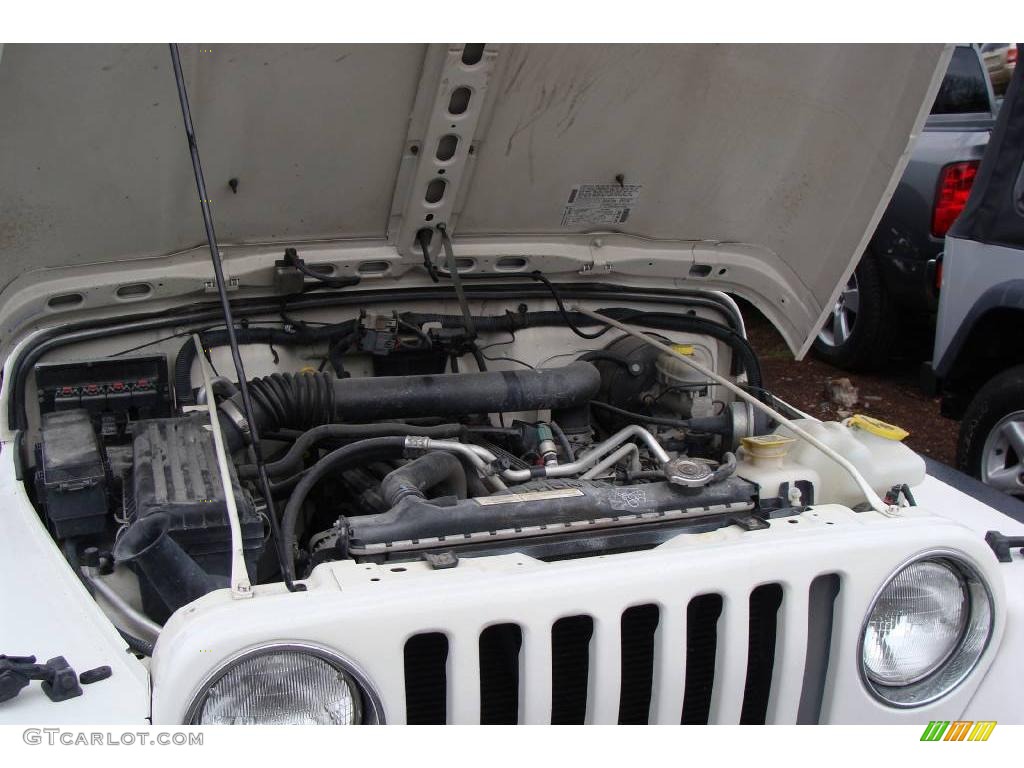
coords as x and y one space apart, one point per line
891 394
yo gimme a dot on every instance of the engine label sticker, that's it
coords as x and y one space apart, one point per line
512 498
607 204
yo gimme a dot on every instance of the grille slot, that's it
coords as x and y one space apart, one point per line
764 610
570 668
500 645
426 679
638 626
821 602
702 616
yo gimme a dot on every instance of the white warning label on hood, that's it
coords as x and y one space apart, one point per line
600 204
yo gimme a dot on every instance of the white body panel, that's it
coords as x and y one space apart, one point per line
367 612
45 611
761 169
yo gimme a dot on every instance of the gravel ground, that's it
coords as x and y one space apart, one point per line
891 394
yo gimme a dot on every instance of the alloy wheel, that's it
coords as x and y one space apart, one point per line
1002 457
839 326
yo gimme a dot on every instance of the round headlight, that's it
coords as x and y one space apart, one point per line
283 685
925 631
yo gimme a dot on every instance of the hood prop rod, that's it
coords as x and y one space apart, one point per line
225 303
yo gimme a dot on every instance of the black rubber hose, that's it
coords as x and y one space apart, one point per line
660 421
570 454
291 462
291 258
282 400
718 424
304 334
433 470
726 468
137 644
364 451
463 394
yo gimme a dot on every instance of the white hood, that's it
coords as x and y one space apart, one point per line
759 170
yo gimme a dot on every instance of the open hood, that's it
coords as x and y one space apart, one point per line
756 169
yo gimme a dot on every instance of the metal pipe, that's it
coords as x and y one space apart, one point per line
869 493
595 455
143 625
483 460
610 461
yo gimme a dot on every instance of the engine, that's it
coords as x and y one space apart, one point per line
617 446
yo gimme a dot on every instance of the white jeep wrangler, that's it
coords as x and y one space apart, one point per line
457 421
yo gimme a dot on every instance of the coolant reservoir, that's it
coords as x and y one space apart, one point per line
765 461
872 446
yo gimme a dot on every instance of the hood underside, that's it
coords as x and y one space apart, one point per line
759 170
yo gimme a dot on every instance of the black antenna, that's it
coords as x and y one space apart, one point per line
218 271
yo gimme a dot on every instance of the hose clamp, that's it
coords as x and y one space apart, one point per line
237 418
416 444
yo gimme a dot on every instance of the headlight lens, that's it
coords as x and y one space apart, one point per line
926 630
281 686
916 623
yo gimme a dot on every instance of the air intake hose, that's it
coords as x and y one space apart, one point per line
286 401
171 571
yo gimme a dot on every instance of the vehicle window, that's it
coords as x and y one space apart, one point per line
963 88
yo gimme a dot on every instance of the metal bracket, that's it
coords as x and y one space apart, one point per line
440 561
231 284
439 148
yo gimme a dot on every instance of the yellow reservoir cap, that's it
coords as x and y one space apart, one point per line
767 446
876 427
683 349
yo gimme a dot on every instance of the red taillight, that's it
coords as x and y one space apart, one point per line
955 182
1011 55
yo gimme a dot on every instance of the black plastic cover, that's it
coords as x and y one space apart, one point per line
114 391
72 478
175 472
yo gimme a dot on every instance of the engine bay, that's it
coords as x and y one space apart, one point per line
390 436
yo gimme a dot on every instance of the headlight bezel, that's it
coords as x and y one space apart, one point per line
981 606
371 707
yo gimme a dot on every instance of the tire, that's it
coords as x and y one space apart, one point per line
991 442
864 304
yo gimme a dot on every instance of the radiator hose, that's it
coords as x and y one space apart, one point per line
373 449
436 470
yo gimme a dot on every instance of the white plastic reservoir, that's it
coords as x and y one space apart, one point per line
873 447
